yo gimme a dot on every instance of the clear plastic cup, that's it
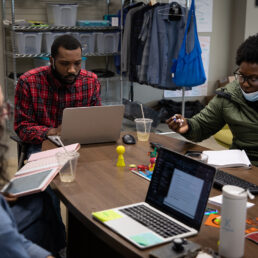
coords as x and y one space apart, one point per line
68 163
143 127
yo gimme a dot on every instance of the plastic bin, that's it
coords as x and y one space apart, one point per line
93 23
88 42
28 42
62 14
48 39
99 37
111 41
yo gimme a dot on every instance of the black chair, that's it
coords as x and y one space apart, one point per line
21 150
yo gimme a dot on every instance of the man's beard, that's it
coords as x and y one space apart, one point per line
69 79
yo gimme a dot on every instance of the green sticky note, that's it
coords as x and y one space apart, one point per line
146 239
106 215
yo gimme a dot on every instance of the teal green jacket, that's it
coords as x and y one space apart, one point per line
228 107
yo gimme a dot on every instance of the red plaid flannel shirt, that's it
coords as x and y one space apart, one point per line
40 100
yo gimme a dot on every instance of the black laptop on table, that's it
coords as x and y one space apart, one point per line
174 205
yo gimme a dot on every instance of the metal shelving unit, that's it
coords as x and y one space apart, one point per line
13 55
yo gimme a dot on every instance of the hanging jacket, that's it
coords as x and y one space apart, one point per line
228 107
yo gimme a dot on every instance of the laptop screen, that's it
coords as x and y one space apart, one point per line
180 187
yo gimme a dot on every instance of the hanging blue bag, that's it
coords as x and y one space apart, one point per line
187 69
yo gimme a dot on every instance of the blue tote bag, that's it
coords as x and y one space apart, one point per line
187 69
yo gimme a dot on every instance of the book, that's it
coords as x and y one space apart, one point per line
30 183
38 165
52 152
228 158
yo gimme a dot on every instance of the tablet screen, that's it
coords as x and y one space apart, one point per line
28 183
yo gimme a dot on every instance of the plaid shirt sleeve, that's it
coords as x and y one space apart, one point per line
39 104
25 124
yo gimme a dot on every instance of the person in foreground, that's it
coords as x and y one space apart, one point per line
12 243
236 104
42 94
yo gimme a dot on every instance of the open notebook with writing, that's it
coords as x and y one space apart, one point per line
174 205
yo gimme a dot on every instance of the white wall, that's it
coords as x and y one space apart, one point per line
251 24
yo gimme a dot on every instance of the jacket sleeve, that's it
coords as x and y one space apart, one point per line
206 123
12 243
25 124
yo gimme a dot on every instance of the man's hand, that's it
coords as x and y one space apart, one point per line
9 197
178 124
54 131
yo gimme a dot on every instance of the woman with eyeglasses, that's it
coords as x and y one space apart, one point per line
236 104
12 243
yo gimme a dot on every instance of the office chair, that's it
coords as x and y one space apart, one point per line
21 150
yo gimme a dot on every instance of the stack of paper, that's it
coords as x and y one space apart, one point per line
217 200
228 158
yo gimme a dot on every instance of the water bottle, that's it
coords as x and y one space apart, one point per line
232 226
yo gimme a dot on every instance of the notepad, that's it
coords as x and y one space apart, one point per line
228 158
52 152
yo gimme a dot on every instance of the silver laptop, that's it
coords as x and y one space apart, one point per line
174 205
95 124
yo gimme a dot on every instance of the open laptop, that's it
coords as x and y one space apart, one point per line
95 124
174 205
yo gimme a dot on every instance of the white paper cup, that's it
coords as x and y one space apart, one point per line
68 163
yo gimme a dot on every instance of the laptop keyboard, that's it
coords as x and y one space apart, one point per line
222 178
154 221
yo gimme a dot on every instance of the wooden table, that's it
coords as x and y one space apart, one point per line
100 185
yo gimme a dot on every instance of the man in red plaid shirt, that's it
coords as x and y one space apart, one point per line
42 93
40 97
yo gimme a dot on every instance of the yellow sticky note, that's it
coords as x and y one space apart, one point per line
106 215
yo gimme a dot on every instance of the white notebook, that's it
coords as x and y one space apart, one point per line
228 158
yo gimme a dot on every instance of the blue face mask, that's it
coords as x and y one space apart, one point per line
253 96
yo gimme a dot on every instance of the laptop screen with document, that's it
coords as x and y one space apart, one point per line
180 187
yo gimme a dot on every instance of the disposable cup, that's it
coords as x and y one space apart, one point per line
68 163
143 127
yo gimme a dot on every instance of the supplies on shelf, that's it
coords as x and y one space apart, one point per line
28 42
62 14
93 23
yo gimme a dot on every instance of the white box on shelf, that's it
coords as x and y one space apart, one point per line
48 39
28 42
62 14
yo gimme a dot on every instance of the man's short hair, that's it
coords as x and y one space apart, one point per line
65 41
248 51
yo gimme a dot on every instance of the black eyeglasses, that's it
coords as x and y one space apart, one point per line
251 79
6 109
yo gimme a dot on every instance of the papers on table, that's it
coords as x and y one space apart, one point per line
228 158
217 200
